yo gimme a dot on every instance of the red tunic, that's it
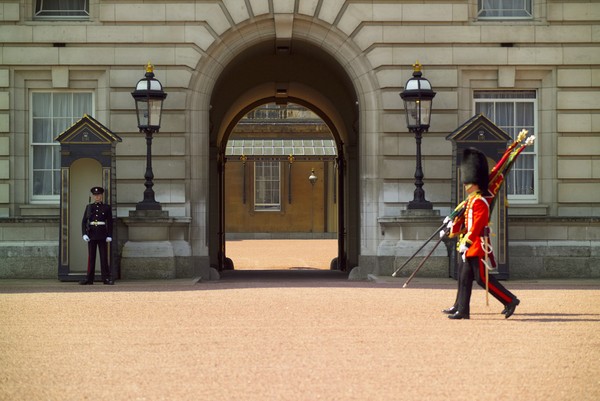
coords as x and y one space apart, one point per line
477 214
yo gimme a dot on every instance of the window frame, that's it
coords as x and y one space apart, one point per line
50 198
530 150
265 206
481 8
42 13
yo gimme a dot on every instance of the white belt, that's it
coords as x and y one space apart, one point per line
97 223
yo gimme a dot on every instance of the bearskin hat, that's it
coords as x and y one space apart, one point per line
474 168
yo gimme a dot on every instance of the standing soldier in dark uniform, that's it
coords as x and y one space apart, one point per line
97 232
474 243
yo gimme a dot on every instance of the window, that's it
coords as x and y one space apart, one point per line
267 186
51 114
504 9
513 111
60 9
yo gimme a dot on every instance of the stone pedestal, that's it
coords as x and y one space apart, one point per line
401 237
148 260
157 246
405 235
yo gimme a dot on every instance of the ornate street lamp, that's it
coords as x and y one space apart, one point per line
417 97
148 96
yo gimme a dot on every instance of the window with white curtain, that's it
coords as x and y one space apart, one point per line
513 111
51 114
504 9
60 9
267 184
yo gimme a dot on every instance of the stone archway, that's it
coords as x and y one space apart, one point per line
298 94
327 75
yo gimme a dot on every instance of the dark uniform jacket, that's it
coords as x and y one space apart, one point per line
97 221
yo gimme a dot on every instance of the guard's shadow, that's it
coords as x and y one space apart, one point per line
553 317
559 317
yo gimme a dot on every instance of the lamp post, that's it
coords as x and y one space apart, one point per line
313 179
417 96
148 96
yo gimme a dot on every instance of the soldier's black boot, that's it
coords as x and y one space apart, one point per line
510 308
459 315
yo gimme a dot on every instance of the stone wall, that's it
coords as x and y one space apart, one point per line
29 248
554 247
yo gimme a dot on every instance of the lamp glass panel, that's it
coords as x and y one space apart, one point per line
425 111
412 84
142 113
411 112
155 85
155 106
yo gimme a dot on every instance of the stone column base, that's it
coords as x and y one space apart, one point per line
148 260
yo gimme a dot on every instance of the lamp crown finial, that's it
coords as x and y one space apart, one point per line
149 67
417 66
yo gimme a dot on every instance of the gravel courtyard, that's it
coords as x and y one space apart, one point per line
295 334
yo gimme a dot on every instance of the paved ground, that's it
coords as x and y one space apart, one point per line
281 253
295 334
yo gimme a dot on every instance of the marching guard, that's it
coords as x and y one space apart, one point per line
474 242
97 226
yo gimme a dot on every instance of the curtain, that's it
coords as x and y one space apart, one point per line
267 185
52 113
504 8
62 8
508 110
41 137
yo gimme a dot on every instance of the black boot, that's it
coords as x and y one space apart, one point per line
510 308
450 311
459 315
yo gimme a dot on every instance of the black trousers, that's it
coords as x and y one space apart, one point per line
474 269
100 245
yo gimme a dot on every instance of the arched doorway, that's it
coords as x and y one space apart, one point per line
262 60
307 76
281 191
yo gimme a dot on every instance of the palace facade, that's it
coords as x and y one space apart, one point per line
532 64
